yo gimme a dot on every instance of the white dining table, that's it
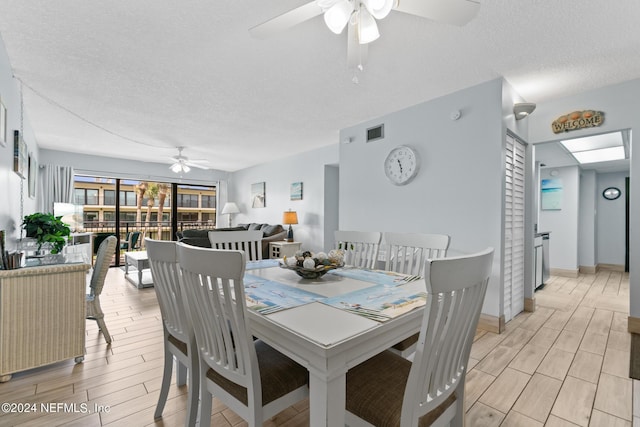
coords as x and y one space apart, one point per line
327 340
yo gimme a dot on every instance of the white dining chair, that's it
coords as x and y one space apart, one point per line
360 247
389 390
106 251
249 241
406 253
179 339
251 378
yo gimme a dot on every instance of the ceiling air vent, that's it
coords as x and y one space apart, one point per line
374 133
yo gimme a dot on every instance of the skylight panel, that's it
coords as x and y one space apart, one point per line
601 155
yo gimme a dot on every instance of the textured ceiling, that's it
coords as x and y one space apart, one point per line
137 78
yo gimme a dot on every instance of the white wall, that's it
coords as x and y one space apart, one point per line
308 168
587 241
459 188
611 220
563 223
10 196
620 105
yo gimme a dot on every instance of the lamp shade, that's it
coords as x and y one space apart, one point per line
290 217
230 208
338 15
367 27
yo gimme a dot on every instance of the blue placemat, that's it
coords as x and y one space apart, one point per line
263 263
266 296
379 277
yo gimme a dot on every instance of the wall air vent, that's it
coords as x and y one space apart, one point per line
374 133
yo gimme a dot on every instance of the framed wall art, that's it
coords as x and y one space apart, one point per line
296 191
33 175
3 124
258 195
20 156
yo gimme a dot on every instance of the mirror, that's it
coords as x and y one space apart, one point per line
611 193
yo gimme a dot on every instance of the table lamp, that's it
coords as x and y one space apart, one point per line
288 218
230 208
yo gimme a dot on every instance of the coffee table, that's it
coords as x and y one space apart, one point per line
139 260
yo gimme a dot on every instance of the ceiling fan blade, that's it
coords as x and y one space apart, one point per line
356 52
286 20
196 165
456 12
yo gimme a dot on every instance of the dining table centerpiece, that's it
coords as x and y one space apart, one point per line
312 266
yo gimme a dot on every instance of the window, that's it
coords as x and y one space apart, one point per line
187 216
110 197
85 196
109 216
208 217
187 200
128 198
90 216
208 201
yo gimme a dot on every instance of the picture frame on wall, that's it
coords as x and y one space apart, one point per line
33 175
20 156
296 191
258 197
3 124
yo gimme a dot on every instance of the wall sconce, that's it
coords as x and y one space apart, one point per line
288 218
229 209
523 109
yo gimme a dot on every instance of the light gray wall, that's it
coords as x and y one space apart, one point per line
563 223
308 168
10 196
620 105
459 189
611 220
587 242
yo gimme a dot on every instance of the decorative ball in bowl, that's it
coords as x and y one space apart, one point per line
312 266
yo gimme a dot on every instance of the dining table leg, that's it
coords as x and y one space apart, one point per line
327 400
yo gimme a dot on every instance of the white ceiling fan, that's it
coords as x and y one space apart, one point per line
360 17
182 164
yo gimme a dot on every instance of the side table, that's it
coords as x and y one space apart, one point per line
282 249
140 261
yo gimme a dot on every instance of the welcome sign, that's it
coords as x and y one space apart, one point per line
577 120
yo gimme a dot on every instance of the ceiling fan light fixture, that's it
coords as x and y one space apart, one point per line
337 16
367 27
179 168
379 8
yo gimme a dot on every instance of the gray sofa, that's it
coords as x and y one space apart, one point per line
200 237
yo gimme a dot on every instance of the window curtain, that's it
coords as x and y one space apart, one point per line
57 186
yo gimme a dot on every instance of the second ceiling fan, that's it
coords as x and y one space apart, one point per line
359 16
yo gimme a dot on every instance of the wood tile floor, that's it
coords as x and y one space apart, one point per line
566 364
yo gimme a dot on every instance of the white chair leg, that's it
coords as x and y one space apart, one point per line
205 403
193 392
103 328
166 382
181 373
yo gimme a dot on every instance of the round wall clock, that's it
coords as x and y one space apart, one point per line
611 193
401 165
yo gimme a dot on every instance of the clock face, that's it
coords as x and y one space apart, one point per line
401 165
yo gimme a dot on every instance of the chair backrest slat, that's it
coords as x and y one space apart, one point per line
212 283
406 252
106 250
455 293
360 247
249 241
163 261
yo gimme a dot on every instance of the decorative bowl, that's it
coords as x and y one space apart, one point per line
311 273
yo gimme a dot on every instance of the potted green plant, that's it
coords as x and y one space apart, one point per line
47 228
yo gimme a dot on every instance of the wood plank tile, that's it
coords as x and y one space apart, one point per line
498 359
503 392
545 337
538 397
586 366
483 416
619 340
599 418
517 419
614 396
574 401
594 343
556 363
616 362
528 359
554 421
476 383
568 341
